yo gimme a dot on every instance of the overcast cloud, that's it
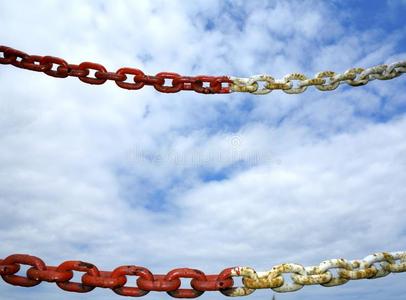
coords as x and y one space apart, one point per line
115 177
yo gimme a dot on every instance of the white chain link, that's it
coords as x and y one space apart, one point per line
373 266
323 81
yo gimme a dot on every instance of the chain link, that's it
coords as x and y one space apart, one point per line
323 81
167 82
371 267
126 78
318 275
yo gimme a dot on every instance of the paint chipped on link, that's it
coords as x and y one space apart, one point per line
373 266
323 81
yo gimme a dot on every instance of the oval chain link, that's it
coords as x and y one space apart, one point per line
294 83
323 81
371 267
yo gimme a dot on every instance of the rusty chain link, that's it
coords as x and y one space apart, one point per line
167 82
127 78
296 83
373 266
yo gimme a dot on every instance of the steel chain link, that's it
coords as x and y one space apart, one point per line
323 81
317 275
167 82
373 266
127 78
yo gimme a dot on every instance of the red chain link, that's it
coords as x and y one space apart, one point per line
115 280
57 67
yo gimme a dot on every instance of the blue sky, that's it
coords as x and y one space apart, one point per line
116 177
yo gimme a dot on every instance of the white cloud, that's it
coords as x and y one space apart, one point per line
301 178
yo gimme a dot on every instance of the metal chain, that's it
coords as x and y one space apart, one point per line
167 82
127 78
297 83
373 266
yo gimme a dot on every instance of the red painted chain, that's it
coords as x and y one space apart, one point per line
126 78
373 266
115 280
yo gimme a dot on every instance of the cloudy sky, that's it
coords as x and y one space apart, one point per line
114 177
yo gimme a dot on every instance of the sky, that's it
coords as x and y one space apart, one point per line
116 177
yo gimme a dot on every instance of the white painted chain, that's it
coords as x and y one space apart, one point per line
373 266
323 81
